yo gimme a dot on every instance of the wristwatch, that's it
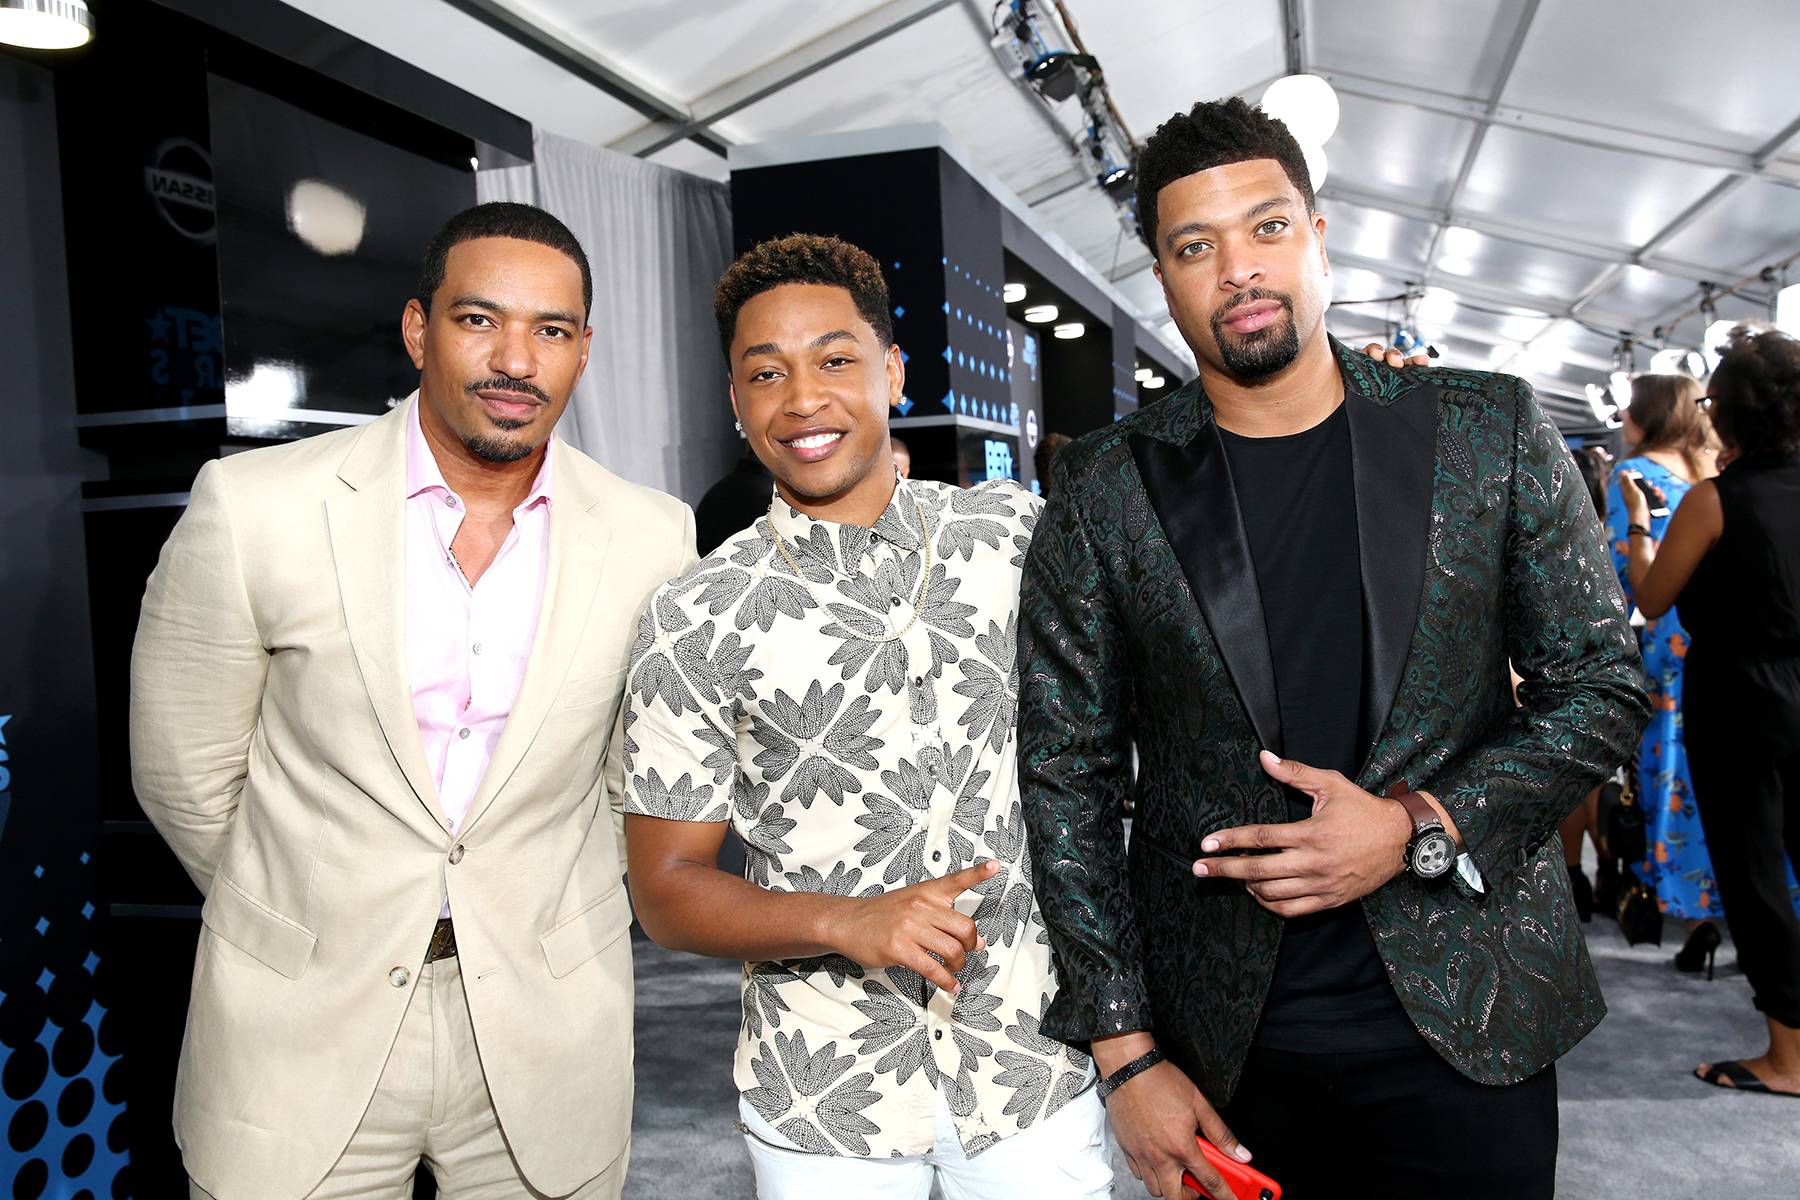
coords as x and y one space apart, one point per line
1431 851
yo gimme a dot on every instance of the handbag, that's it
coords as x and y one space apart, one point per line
1640 916
1622 819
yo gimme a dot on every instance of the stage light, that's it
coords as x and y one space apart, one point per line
1599 402
1117 181
1143 374
1619 384
1012 293
1154 382
1068 330
1053 75
1041 314
1307 105
1673 361
1717 334
46 24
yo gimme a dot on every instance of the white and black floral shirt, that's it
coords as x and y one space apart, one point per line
854 767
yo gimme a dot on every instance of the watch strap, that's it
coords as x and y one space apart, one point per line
1419 811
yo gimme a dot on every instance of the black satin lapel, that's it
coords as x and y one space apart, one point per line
1190 489
1393 454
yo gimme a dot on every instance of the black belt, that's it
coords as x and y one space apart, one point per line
443 942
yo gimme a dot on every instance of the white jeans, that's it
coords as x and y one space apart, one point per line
1063 1158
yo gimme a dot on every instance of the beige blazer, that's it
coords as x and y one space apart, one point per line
274 746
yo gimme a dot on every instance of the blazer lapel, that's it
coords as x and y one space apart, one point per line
579 539
1393 452
1189 485
368 548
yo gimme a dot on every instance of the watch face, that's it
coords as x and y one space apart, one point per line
1433 854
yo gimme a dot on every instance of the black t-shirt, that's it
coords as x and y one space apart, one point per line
1298 499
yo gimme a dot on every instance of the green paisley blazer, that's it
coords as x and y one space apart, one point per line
1141 624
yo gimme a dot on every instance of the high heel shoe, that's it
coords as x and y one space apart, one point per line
1702 946
1583 893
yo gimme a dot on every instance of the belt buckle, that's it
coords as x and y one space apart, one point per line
443 942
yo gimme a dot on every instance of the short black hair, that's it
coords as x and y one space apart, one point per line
1756 392
505 219
1214 133
803 258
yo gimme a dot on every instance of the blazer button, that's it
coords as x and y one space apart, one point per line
399 977
456 856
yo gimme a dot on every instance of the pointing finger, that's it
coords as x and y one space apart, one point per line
957 882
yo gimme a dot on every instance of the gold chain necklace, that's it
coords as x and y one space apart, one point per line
918 601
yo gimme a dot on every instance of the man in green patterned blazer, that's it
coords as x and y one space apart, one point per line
1342 931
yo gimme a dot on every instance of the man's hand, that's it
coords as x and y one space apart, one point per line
915 927
1352 844
1394 357
1155 1116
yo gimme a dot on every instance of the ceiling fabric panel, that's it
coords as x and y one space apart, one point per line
1542 168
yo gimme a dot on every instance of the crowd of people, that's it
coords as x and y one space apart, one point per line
408 698
1703 519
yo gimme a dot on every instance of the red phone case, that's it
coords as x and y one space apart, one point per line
1247 1183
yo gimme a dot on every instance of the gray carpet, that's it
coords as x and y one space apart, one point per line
1634 1122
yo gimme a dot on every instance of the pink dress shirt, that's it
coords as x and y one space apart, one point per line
466 646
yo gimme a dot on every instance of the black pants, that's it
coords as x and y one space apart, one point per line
1394 1123
1747 789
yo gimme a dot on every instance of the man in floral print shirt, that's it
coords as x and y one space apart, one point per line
837 682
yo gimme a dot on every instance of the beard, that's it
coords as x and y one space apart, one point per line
499 449
1268 350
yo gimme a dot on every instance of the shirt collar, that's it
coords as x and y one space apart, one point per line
423 475
841 548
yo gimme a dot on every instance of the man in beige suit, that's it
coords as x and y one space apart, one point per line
375 702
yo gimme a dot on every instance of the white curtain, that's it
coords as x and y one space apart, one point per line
652 406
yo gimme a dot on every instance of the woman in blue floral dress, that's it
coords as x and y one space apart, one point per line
1672 451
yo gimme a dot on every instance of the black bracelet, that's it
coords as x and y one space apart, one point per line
1129 1071
1631 529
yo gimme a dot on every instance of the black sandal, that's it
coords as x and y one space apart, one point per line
1742 1078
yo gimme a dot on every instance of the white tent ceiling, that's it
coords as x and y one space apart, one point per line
1564 170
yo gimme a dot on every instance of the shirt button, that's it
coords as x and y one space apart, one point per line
463 732
938 1034
918 681
449 501
894 602
476 648
937 856
399 977
456 855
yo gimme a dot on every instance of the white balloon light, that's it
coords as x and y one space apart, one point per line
1307 105
328 219
1316 164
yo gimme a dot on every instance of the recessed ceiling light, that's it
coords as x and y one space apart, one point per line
1012 293
1041 314
1069 330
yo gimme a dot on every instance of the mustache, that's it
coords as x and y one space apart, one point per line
506 383
1251 297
